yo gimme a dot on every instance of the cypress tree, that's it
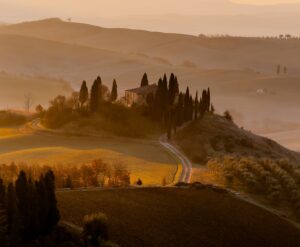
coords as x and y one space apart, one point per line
53 215
2 192
96 95
83 94
23 206
176 86
186 104
11 210
196 106
43 203
158 100
165 99
3 228
114 91
180 110
144 81
278 69
191 108
172 89
208 100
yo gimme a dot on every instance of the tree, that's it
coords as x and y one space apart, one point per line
95 229
228 116
53 215
11 209
114 91
83 94
39 109
23 206
3 228
94 100
144 81
28 102
278 69
196 106
172 89
186 104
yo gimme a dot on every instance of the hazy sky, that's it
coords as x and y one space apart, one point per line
26 9
156 14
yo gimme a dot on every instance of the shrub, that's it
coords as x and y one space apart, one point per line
139 182
228 116
8 118
95 229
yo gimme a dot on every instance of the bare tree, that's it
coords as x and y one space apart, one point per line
28 101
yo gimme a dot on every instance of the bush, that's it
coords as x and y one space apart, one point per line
8 118
95 229
139 182
228 116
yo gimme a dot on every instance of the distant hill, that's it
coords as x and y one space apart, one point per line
236 69
41 89
207 53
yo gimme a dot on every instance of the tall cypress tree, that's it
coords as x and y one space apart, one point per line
186 104
11 210
23 206
94 101
196 106
83 94
114 91
180 110
172 92
144 81
53 215
208 100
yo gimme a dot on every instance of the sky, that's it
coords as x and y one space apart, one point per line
153 15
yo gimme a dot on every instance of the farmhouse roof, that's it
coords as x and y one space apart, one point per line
143 90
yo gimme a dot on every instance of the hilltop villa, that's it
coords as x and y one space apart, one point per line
139 95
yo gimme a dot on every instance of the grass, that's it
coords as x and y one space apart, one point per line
179 217
8 133
143 159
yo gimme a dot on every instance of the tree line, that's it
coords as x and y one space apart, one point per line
93 99
173 108
29 208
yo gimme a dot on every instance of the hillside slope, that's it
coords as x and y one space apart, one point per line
210 53
41 89
179 217
214 136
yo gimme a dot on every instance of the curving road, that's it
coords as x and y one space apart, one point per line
185 175
186 163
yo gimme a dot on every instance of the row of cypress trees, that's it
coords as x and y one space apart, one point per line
30 207
96 94
173 108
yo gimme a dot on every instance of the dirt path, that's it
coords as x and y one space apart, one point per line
186 163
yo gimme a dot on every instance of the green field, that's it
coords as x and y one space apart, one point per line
144 159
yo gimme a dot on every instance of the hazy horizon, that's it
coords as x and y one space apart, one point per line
245 17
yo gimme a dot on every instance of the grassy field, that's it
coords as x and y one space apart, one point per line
144 159
179 217
8 133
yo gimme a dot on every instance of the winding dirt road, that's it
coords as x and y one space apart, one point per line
186 163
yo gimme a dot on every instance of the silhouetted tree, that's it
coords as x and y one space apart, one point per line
196 106
96 95
186 104
4 241
144 81
83 94
53 215
278 69
114 91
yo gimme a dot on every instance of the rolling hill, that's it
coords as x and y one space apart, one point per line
208 53
236 69
41 89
